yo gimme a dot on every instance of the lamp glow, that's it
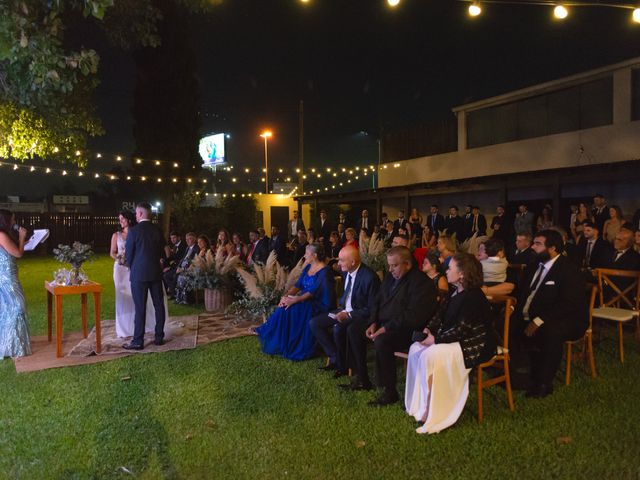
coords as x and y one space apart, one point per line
393 3
636 15
474 10
560 12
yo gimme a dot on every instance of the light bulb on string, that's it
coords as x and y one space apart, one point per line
560 12
474 9
635 16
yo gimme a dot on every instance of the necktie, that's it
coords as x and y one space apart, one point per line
587 257
347 291
534 287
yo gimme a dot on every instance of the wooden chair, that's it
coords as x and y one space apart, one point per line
587 342
500 359
623 305
518 269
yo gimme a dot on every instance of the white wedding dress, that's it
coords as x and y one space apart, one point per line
125 309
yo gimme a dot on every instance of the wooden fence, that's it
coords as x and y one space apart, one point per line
67 228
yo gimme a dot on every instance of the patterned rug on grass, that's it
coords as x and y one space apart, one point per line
214 327
180 333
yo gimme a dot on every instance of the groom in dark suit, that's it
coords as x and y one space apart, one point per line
143 251
552 308
361 286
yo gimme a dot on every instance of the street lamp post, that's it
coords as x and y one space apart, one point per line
266 135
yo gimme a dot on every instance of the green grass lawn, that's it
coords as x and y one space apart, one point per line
226 410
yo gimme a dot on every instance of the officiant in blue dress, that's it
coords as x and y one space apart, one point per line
287 331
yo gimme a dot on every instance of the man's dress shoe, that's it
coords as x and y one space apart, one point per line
132 346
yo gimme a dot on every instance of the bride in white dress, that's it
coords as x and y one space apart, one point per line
125 309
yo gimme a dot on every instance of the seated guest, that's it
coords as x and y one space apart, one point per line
173 252
311 235
613 225
169 277
545 220
334 245
361 286
204 246
279 245
522 254
482 252
429 238
494 267
224 242
239 247
299 247
432 267
460 337
552 308
341 233
624 256
447 247
287 330
593 251
569 250
258 247
405 302
350 237
577 222
388 234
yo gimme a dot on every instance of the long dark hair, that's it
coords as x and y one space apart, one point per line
5 221
129 215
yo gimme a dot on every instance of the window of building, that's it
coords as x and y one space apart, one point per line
583 106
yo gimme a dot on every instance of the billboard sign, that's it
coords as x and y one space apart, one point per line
211 150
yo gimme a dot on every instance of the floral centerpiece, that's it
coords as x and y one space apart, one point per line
264 287
75 255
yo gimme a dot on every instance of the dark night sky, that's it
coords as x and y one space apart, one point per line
359 65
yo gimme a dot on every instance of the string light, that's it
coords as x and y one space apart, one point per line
560 12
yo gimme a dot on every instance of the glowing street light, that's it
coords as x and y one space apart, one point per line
560 12
475 9
393 3
266 135
636 15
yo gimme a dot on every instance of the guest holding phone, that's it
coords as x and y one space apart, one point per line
459 337
14 334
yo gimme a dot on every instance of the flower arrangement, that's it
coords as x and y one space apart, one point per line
75 255
372 252
212 272
264 287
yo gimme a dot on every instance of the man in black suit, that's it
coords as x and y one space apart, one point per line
258 248
595 252
522 254
454 224
169 276
323 229
278 245
499 225
406 302
144 249
299 246
600 212
342 219
342 238
294 225
435 220
173 252
552 308
361 287
624 256
364 222
478 222
467 219
400 222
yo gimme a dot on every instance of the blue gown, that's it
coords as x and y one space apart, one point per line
14 336
287 332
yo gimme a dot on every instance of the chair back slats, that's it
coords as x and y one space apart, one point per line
509 303
628 297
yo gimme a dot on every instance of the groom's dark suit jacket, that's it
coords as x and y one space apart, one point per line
408 306
143 251
363 294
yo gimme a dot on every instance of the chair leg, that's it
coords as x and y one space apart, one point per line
507 381
621 342
592 360
479 387
567 378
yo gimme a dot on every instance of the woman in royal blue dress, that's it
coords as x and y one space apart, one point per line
287 331
14 335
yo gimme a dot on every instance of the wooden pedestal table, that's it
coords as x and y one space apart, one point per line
59 291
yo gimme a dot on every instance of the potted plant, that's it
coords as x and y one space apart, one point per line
264 287
75 255
216 275
373 254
